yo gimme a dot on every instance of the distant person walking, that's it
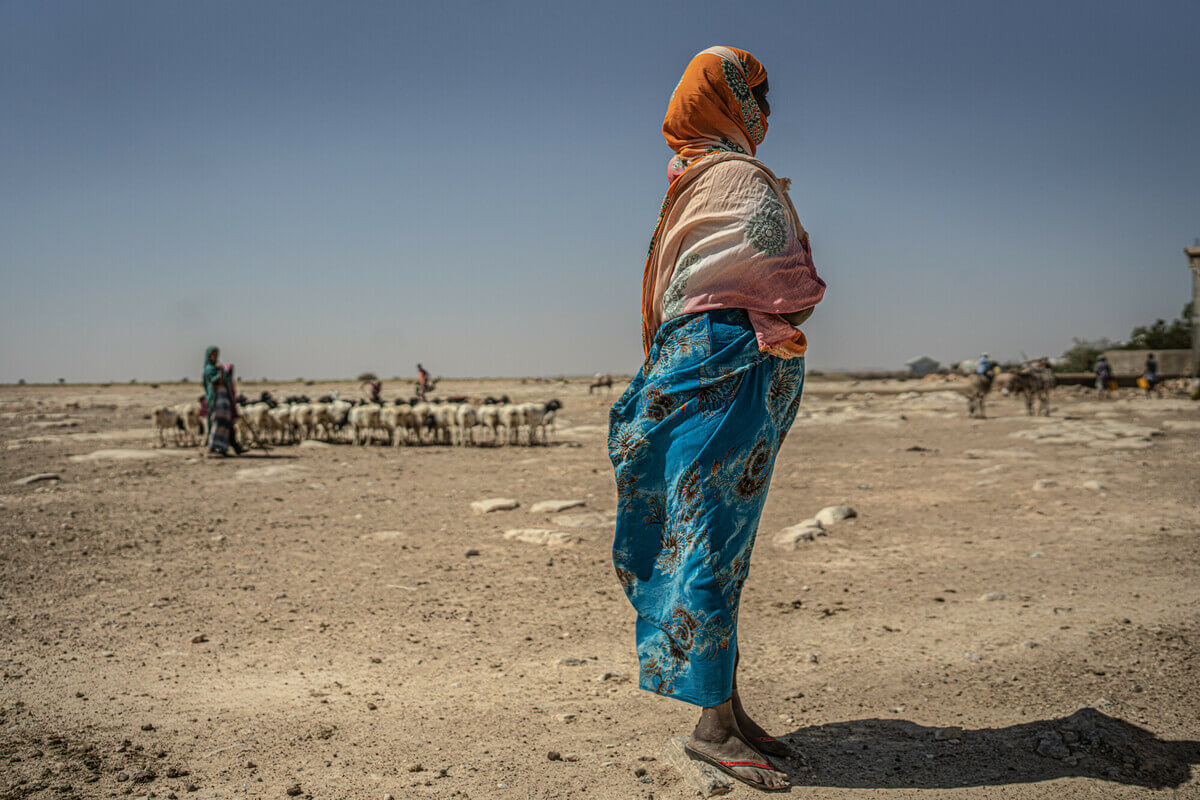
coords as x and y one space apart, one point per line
1150 375
693 439
1104 375
219 394
373 388
422 382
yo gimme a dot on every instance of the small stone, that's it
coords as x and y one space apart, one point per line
371 706
639 772
176 772
555 506
37 478
554 755
1029 644
952 732
199 638
1094 486
415 768
704 778
293 790
790 538
831 515
539 536
143 776
565 717
571 661
471 551
149 726
494 504
1051 746
813 658
1043 484
971 655
990 596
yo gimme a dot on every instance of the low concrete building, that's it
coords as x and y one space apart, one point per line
1171 363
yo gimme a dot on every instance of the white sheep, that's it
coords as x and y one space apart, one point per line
191 421
510 418
489 418
365 421
465 420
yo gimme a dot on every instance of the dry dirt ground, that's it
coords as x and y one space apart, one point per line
336 622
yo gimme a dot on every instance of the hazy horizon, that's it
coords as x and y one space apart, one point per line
328 190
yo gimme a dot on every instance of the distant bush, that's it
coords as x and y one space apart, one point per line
21 382
1082 355
367 376
184 379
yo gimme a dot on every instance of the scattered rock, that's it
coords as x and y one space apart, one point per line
565 717
1043 484
945 734
790 538
813 658
272 473
539 536
555 506
554 755
143 776
149 726
1051 746
415 768
1094 486
831 515
121 455
989 596
571 661
199 638
471 551
293 790
383 536
37 478
704 778
494 504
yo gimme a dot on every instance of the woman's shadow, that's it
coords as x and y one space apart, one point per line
894 753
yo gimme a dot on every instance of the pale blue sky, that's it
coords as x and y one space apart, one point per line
327 188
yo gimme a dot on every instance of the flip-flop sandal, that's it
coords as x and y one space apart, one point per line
727 768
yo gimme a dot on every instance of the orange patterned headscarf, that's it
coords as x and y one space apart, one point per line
713 108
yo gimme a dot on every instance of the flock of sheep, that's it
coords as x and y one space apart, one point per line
452 422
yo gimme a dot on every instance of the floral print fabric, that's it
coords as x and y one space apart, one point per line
693 443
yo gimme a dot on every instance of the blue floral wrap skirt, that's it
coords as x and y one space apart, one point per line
693 443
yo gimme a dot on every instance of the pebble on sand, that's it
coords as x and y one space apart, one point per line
293 790
37 478
1093 486
1043 484
831 515
555 506
539 536
494 504
790 538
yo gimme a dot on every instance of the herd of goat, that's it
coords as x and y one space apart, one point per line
453 421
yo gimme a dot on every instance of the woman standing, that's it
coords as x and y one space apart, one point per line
694 438
219 393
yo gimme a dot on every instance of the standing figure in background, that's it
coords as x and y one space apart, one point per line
693 440
1150 374
373 388
219 394
1104 376
422 382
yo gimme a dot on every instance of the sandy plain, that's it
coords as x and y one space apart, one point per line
311 619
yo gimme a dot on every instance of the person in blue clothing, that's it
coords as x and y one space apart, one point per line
985 365
1104 373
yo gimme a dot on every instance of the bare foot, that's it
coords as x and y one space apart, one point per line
753 733
717 737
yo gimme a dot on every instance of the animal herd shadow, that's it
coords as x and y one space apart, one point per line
895 753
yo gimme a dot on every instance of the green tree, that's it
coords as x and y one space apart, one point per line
1082 355
1162 336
